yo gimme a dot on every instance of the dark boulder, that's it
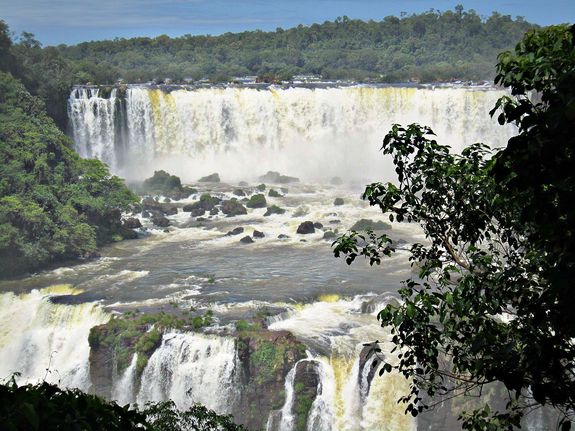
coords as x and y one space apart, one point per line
257 201
274 194
258 234
233 208
235 231
160 221
239 192
338 202
283 236
318 225
305 228
198 212
274 209
246 240
214 211
213 178
132 223
261 187
365 224
171 211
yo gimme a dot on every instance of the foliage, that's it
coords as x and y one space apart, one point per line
256 201
430 46
47 407
142 334
53 204
492 299
165 416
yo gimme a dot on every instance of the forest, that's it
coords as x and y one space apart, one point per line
427 47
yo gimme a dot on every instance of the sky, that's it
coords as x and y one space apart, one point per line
72 21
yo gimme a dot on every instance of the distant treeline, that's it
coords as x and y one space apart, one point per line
432 46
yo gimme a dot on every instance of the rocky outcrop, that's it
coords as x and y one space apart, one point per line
233 208
274 209
258 234
266 357
366 224
306 228
213 178
338 202
257 201
247 240
132 223
160 221
277 178
235 231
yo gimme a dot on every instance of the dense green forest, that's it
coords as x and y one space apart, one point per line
432 46
54 205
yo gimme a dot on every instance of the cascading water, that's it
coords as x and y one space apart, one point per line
311 133
191 368
44 340
124 388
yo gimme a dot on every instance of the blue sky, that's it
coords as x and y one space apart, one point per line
73 21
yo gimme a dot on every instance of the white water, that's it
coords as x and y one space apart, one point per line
344 403
191 368
46 341
123 390
241 133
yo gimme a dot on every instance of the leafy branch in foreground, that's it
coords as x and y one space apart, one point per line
490 303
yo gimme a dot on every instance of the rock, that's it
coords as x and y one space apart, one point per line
257 201
160 221
233 208
305 228
149 203
276 177
274 209
318 225
243 184
365 224
167 200
166 230
334 221
261 187
214 211
336 181
258 234
329 235
132 223
198 212
239 192
235 231
274 194
213 178
171 211
338 202
146 214
284 190
206 203
246 240
306 385
283 236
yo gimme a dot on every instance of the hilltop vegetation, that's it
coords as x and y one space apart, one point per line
54 205
432 46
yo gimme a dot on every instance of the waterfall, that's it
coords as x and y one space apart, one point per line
287 418
191 368
242 131
124 388
44 340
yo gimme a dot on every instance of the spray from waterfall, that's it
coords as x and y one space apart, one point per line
311 133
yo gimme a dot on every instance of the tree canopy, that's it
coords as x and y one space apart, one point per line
492 298
54 205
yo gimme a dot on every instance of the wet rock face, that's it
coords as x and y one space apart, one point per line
246 240
306 387
265 359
